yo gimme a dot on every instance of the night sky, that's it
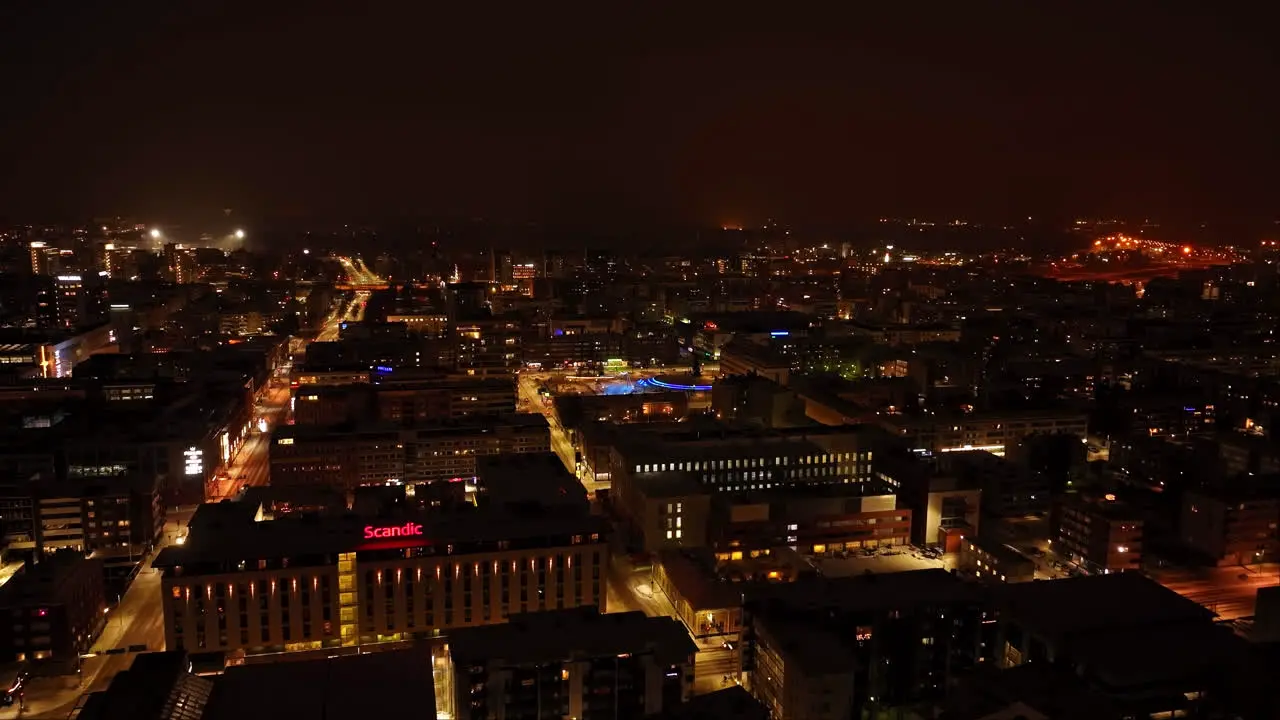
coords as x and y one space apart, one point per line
662 115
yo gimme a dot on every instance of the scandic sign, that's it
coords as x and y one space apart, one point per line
407 530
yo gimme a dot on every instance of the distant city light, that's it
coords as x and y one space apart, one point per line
306 251
239 234
155 234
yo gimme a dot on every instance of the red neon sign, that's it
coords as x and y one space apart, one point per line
406 530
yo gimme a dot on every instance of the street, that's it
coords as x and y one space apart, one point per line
528 400
136 621
1231 592
629 590
251 464
351 312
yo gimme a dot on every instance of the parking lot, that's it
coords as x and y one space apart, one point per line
886 560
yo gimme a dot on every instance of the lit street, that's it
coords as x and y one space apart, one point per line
1230 592
136 622
251 464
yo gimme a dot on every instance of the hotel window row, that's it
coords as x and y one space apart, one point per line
761 462
303 611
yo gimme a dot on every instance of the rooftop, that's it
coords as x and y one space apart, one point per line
532 478
156 686
370 685
47 581
1096 603
732 702
228 532
867 592
475 424
563 634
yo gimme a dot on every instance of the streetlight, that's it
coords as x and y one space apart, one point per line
239 234
155 234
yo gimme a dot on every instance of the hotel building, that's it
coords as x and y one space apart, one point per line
243 583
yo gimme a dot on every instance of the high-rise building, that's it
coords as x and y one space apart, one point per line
183 267
80 299
43 258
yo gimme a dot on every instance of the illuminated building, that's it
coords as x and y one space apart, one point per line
523 275
241 582
347 457
665 482
992 431
426 323
1102 535
990 561
571 663
182 263
43 258
72 299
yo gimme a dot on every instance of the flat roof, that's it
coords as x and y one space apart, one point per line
695 578
574 633
867 592
1002 552
1144 656
462 426
691 443
525 478
1118 601
732 702
45 581
388 684
225 532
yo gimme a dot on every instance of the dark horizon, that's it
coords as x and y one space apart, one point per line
611 118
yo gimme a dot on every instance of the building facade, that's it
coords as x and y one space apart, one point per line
347 457
572 663
293 585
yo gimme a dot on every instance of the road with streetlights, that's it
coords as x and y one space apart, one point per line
136 623
1231 592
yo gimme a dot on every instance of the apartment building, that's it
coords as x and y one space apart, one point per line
377 454
571 663
1101 534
